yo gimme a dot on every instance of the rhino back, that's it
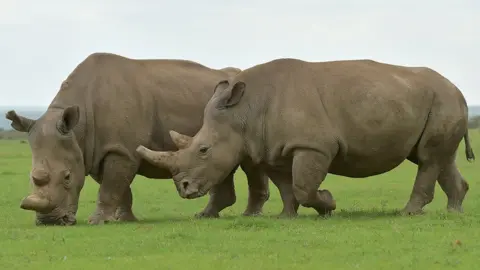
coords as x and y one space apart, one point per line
128 102
376 112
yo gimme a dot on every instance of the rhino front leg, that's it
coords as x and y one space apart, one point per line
309 169
258 190
283 181
124 211
221 197
118 173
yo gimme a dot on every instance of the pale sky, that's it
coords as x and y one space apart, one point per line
41 42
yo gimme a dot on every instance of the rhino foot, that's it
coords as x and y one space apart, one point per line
125 217
411 211
254 213
98 219
204 214
455 208
327 205
325 213
287 214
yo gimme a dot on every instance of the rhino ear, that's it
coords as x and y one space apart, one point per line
70 118
231 96
222 85
19 123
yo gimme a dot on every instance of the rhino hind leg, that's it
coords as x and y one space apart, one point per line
124 210
452 183
309 170
117 174
435 155
454 186
258 189
222 196
423 189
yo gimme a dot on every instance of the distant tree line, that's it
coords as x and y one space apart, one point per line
10 134
474 122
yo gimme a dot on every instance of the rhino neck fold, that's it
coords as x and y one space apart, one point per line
254 130
89 135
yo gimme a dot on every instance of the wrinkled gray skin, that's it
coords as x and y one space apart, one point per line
105 108
301 120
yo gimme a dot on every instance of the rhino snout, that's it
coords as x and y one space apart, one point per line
188 190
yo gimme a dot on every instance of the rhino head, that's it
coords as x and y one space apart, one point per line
207 158
58 172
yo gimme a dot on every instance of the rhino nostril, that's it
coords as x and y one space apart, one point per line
39 177
40 181
185 185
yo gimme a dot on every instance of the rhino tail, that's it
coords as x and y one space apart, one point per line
468 148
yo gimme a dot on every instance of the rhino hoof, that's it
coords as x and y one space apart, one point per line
411 212
252 213
287 215
325 213
206 215
126 218
455 209
99 220
95 222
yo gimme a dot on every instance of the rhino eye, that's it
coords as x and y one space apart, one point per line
203 149
67 175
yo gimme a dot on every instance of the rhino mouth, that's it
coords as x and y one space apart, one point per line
197 191
192 192
66 219
195 195
203 190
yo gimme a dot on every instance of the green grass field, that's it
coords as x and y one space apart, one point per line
363 233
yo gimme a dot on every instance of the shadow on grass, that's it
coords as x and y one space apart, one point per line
167 219
341 214
369 214
143 221
350 214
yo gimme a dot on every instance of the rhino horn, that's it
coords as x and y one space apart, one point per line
157 158
34 202
180 140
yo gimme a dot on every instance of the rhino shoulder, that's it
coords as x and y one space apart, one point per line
102 57
422 70
91 65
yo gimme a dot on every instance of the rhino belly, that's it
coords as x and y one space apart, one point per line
365 166
375 155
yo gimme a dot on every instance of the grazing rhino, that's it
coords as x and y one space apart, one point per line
301 120
106 107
